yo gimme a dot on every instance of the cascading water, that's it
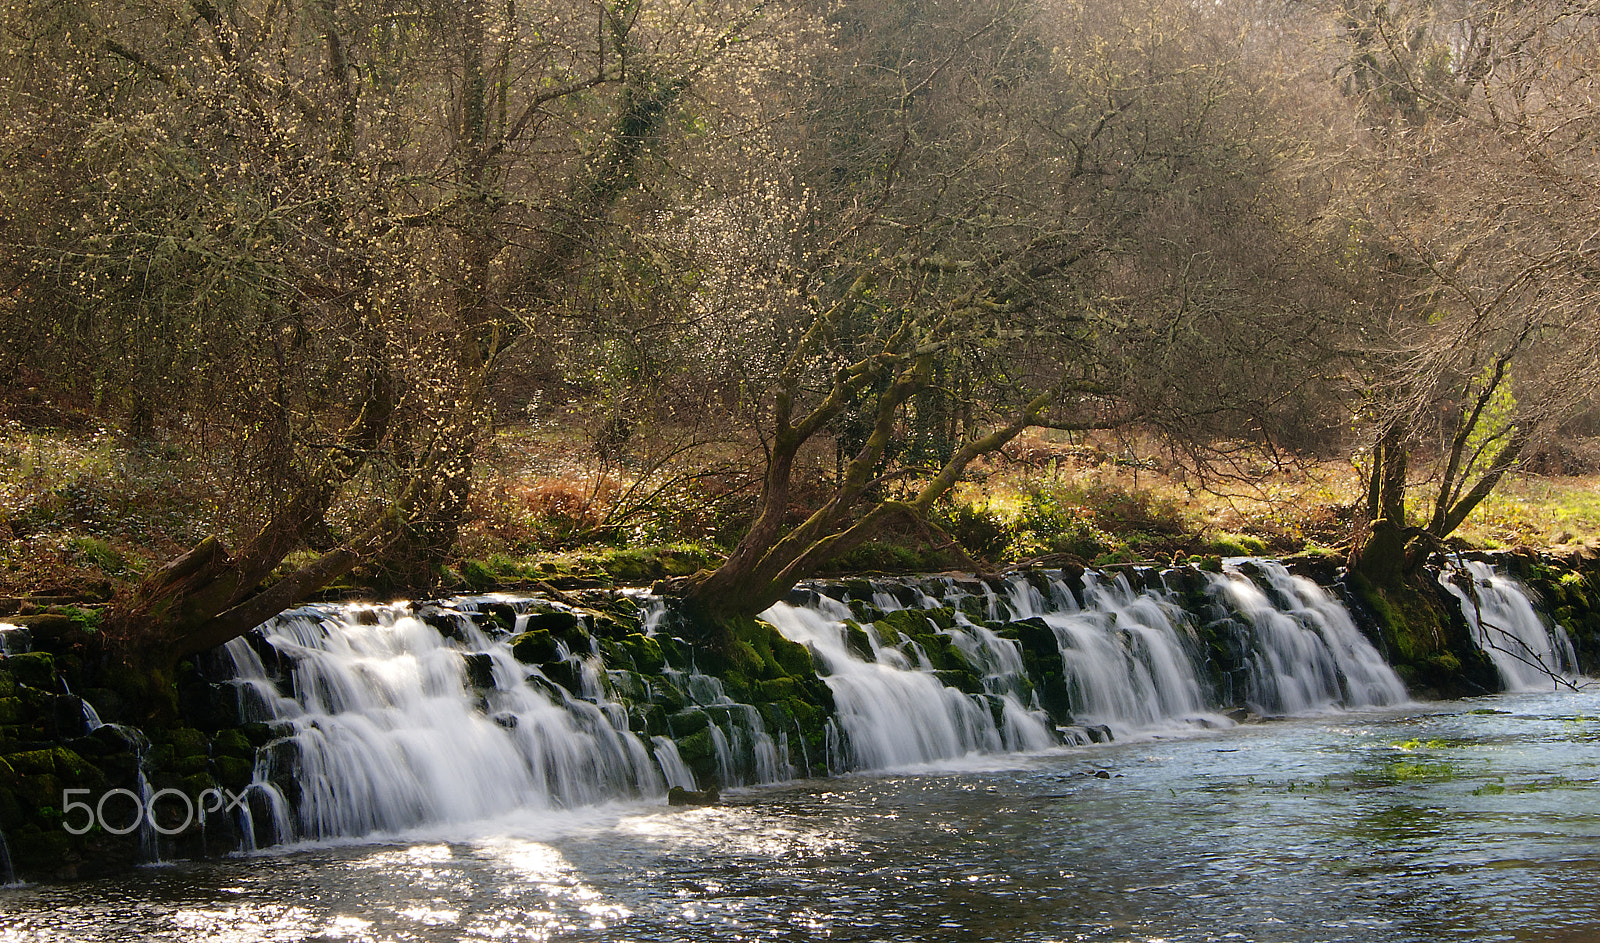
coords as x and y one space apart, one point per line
388 724
1304 653
1129 657
391 718
1527 653
895 714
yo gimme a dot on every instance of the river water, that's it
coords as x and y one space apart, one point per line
1476 820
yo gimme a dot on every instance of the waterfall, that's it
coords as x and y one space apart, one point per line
14 639
893 715
384 719
1130 657
8 877
387 724
1113 660
1304 653
1527 652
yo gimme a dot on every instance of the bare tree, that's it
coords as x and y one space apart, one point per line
1480 214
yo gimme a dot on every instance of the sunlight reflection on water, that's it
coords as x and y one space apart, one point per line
1417 826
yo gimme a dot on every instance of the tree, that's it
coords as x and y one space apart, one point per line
1002 216
311 231
1479 210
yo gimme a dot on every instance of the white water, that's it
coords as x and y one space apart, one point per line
895 715
389 724
1305 654
1527 652
385 732
1129 656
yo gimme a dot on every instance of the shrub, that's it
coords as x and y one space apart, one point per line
1046 523
980 531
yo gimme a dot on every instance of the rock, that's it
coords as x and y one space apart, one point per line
34 669
534 647
480 669
680 796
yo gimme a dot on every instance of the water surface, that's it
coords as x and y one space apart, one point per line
1476 820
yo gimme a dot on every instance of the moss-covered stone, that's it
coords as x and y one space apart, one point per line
34 669
696 747
643 653
687 722
777 689
535 647
557 622
188 742
235 772
232 742
857 641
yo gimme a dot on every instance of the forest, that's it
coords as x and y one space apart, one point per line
302 294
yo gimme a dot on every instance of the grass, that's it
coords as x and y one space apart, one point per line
91 508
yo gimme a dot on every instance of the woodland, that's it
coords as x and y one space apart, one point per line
784 278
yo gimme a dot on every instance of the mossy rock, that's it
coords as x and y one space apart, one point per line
11 711
650 721
736 684
187 742
644 652
666 695
911 623
234 772
8 681
564 674
34 669
557 622
191 765
1036 636
964 681
777 689
41 791
685 723
535 647
31 762
233 743
857 641
697 747
258 734
480 669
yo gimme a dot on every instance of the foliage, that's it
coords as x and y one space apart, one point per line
1046 523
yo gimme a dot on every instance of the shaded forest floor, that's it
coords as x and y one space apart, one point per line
84 510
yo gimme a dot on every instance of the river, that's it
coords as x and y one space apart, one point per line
1470 820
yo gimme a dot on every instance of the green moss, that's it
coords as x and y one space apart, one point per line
534 647
233 743
187 742
644 653
233 772
857 641
696 747
778 689
685 723
34 669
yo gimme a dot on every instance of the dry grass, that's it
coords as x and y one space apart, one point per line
79 508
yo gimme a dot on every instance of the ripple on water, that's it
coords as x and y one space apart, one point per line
1402 827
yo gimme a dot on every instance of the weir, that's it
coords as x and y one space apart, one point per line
391 718
1527 653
